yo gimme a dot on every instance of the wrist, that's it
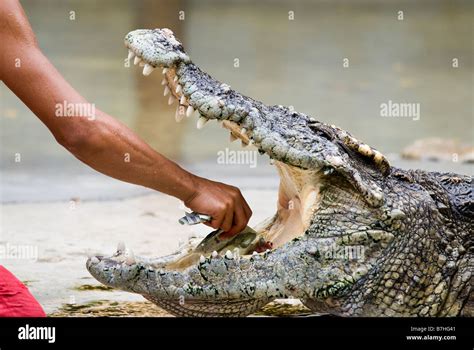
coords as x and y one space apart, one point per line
188 187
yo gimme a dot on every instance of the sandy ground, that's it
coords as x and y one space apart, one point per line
64 233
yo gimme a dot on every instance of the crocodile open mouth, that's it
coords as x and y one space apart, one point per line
351 235
298 195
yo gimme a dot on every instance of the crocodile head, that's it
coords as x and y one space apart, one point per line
348 228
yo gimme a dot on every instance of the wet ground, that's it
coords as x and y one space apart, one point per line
108 308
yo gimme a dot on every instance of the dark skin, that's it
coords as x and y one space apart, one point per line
103 142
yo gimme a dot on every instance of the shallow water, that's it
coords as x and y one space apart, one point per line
297 62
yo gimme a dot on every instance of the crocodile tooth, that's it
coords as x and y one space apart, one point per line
136 60
130 55
272 161
365 150
130 259
202 259
164 81
189 111
232 137
254 253
251 142
201 122
214 254
120 247
178 89
167 91
175 79
243 131
148 69
178 115
229 255
378 157
171 99
165 70
182 100
236 253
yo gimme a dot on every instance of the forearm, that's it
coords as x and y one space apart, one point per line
99 140
115 150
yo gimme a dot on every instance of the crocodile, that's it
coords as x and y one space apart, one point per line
352 235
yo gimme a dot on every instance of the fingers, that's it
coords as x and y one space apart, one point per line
225 204
216 221
223 216
240 221
247 210
241 217
229 217
243 203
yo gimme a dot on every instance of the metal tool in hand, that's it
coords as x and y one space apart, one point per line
194 218
244 241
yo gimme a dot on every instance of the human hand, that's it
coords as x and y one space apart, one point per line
225 204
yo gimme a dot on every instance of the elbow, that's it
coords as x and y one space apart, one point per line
74 142
80 141
84 138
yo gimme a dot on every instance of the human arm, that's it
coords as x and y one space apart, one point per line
103 142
